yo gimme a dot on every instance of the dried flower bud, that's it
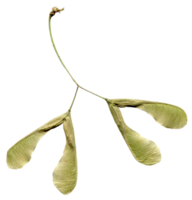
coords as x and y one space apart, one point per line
56 10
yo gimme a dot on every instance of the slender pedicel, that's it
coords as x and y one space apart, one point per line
66 68
73 99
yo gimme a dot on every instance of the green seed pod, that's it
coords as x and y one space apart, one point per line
145 151
65 173
169 116
19 154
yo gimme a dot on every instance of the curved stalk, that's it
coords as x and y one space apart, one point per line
73 99
66 68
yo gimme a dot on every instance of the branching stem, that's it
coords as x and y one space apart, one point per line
66 68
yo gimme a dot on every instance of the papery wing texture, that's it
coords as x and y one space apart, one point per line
167 115
65 173
144 150
20 154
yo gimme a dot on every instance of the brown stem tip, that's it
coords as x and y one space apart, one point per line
56 10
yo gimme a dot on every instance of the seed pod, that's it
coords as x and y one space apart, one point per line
144 150
167 115
20 154
65 173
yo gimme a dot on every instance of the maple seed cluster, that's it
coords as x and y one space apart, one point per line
56 10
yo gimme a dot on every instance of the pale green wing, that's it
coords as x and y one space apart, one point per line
65 173
20 154
168 116
144 150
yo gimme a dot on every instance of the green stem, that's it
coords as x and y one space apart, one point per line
73 99
66 68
